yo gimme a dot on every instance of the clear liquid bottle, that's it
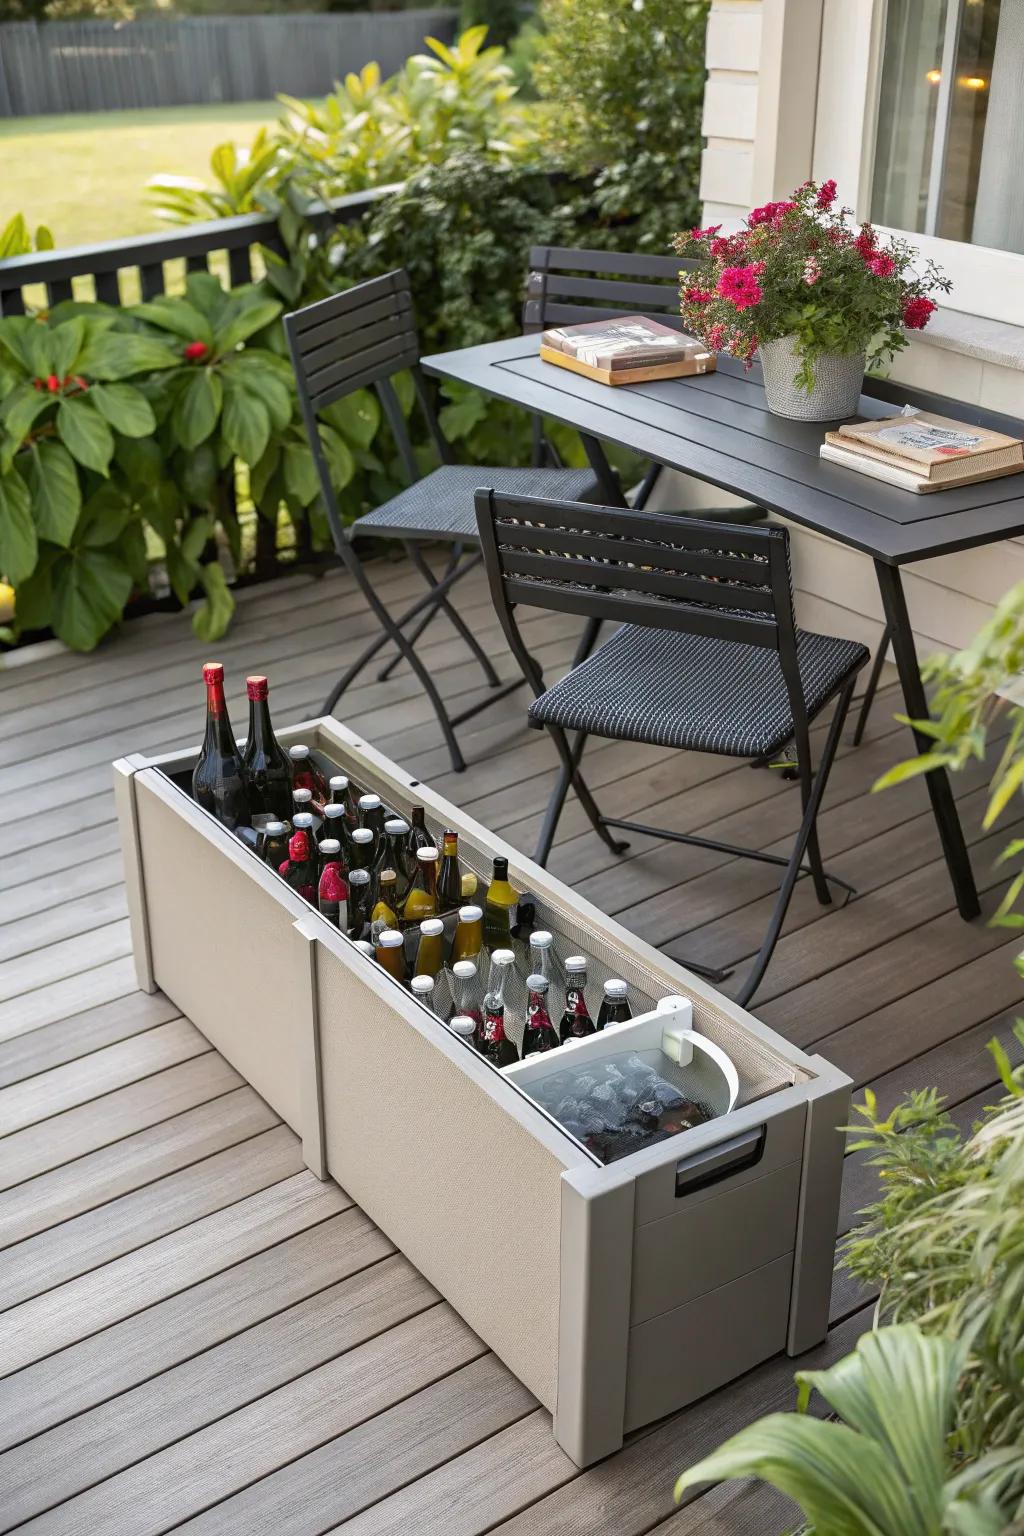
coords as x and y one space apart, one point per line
494 1042
422 987
463 1026
615 1007
466 997
541 953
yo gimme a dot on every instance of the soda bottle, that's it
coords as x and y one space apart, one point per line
218 779
371 814
332 895
328 851
306 774
494 1043
540 1034
302 821
540 953
302 805
466 991
396 854
384 912
358 902
422 987
499 908
421 901
463 1026
469 934
272 842
334 824
576 1020
615 1007
362 847
299 868
267 766
343 793
430 951
419 837
449 875
390 953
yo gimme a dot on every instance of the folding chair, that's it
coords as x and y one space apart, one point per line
708 657
364 337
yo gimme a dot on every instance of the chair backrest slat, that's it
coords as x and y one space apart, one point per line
353 339
569 287
633 567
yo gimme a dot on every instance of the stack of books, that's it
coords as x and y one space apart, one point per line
627 351
923 452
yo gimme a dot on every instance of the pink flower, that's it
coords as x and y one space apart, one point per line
697 295
811 271
705 234
917 313
728 245
739 285
865 241
770 213
715 337
826 194
881 265
838 236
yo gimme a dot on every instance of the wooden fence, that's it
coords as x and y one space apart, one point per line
104 66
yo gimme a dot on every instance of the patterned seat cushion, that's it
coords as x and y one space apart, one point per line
442 503
689 691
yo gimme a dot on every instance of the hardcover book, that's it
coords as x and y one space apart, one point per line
931 448
625 351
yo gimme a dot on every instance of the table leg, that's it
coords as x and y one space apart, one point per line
947 820
607 479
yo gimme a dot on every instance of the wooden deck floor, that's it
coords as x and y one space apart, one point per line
196 1335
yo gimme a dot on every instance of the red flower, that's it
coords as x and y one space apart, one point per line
715 337
728 245
697 295
739 285
705 234
865 241
770 213
53 384
917 313
826 194
838 236
195 350
881 265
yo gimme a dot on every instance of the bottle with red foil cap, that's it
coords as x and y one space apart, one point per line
299 868
218 779
267 766
576 1020
493 1043
332 892
540 1034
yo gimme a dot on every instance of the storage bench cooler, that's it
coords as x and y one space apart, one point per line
615 1292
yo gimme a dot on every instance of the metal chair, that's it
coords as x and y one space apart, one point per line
708 657
361 338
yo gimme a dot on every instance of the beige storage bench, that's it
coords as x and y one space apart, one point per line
615 1291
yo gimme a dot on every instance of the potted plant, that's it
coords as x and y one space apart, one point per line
813 294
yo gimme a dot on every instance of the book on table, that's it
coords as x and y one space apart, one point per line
627 351
924 452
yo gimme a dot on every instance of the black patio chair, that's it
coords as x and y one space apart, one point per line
364 337
708 657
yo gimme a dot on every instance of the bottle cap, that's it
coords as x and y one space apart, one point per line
541 939
389 938
463 1025
298 753
369 802
503 957
422 985
273 828
298 847
386 876
363 835
256 687
537 983
575 963
425 855
359 877
302 796
432 927
329 846
613 987
501 869
465 970
396 827
364 947
213 671
332 811
302 821
470 914
340 781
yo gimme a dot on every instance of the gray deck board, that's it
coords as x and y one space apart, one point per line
198 1335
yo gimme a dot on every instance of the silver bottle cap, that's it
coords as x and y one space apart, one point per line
541 939
359 877
425 855
464 969
302 821
369 802
273 828
329 847
463 1025
537 983
470 914
340 781
574 964
390 938
503 957
364 947
332 812
363 835
298 754
613 987
396 827
422 985
431 928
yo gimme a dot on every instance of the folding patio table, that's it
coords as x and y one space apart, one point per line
717 428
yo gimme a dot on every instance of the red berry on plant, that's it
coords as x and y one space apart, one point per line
53 384
195 350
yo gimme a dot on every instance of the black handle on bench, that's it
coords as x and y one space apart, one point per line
720 1161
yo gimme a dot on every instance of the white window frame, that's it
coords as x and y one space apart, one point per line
986 282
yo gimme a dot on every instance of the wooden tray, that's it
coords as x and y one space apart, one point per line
704 362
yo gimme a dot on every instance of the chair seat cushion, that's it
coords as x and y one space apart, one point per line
441 504
694 692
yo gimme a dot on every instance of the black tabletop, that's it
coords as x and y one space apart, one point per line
716 426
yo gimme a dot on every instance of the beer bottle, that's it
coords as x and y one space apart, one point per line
463 1026
332 895
218 779
469 934
396 854
358 902
334 824
302 821
384 913
494 1043
267 766
540 952
576 1020
371 814
422 987
421 901
449 875
430 952
362 847
390 953
419 837
615 1007
466 991
272 842
343 793
306 774
302 805
540 1034
328 851
499 908
299 869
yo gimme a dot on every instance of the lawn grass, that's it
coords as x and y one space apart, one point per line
85 174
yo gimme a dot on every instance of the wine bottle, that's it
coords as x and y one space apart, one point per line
332 895
266 764
306 774
499 907
343 793
421 901
334 824
384 912
449 875
272 842
419 837
218 779
358 902
299 869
